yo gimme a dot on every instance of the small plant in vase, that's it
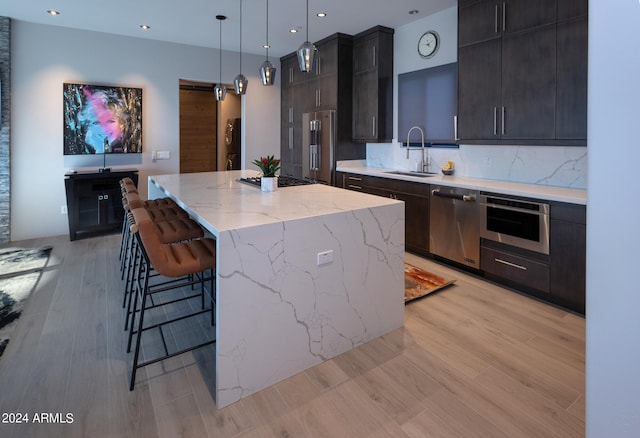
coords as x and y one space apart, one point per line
269 165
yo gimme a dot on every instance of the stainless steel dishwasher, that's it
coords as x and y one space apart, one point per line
454 225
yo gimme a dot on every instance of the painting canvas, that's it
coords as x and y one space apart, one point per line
102 119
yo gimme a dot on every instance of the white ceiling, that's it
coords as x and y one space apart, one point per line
193 22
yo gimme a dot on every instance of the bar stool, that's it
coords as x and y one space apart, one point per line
181 264
170 225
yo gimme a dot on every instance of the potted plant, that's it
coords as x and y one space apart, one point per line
269 165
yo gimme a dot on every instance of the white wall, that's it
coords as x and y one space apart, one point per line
46 56
613 221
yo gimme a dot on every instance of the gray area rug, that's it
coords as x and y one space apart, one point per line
19 273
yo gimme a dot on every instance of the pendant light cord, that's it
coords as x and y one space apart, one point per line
307 20
240 36
267 30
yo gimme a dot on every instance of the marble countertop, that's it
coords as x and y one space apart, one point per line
224 203
549 193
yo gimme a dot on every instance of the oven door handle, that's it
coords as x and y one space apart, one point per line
465 198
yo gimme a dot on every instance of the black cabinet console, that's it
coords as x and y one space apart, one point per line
94 202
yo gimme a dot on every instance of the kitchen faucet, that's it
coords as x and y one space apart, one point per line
422 163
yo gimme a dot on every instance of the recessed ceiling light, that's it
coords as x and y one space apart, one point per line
145 27
266 46
53 12
321 14
414 12
293 30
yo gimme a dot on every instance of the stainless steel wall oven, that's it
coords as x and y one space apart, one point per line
516 222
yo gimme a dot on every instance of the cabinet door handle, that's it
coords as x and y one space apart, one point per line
319 98
354 178
100 197
290 137
455 128
352 186
496 20
504 16
373 126
513 265
291 75
374 55
495 120
502 128
290 114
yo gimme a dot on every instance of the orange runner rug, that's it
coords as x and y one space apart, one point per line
418 282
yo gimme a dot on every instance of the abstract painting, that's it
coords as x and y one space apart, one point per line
102 119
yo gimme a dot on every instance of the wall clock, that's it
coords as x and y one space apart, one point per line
428 44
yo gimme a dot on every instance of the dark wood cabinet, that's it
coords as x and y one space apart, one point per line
558 277
479 91
484 20
571 98
521 269
568 250
416 201
373 85
528 104
94 202
522 72
326 87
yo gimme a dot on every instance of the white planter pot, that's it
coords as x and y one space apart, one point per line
269 184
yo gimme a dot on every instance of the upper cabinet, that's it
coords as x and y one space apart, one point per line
522 71
373 85
326 87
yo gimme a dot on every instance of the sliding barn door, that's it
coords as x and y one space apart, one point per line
198 131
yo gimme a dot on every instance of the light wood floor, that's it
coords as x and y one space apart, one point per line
473 360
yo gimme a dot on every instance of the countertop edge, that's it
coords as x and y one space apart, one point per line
544 192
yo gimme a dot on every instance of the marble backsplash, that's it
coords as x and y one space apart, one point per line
563 166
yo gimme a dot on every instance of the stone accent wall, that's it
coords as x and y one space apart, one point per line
5 129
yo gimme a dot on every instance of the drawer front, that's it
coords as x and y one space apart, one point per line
354 182
519 270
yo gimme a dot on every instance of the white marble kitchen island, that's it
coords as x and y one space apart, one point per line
278 312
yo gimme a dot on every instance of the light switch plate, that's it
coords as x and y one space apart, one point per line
325 257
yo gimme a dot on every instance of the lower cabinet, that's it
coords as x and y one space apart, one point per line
94 202
416 201
557 278
524 270
568 253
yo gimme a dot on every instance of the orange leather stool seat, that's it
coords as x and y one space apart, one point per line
185 264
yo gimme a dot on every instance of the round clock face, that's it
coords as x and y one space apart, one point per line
428 44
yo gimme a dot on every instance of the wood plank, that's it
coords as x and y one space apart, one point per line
472 360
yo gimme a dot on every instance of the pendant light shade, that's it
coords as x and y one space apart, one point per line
267 70
267 73
220 90
240 82
307 51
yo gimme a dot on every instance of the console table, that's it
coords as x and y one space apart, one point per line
94 201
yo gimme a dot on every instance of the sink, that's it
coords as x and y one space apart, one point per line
412 173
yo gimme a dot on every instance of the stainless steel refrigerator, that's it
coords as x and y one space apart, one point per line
318 145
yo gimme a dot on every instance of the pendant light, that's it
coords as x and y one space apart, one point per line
267 70
240 82
307 51
220 90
